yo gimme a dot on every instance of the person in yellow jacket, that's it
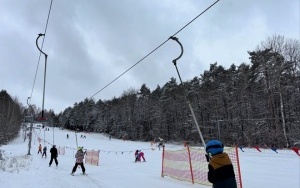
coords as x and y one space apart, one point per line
40 149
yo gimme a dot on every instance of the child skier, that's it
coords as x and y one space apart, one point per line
141 155
44 152
220 169
136 154
40 149
161 143
79 160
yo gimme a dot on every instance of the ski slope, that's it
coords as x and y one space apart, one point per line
117 168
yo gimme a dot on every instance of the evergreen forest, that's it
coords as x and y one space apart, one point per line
245 105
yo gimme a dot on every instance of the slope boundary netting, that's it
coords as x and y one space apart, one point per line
190 165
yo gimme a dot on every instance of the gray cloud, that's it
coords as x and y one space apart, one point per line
90 43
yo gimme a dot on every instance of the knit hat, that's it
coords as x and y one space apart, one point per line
79 148
214 147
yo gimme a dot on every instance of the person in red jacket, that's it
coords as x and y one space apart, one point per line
141 155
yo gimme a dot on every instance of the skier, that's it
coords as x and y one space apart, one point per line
54 154
220 169
161 143
44 152
136 154
141 155
79 160
40 149
67 136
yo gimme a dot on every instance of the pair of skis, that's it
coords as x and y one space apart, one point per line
72 174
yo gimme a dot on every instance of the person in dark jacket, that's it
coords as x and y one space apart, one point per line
54 154
44 152
220 169
136 155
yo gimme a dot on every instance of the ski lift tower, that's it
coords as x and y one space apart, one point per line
31 125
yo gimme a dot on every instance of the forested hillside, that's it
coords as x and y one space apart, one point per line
247 104
10 117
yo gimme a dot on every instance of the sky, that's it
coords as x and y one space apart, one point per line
91 43
117 167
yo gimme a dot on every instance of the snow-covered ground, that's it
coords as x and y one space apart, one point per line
117 168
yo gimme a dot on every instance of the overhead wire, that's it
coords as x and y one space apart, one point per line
70 115
45 31
154 49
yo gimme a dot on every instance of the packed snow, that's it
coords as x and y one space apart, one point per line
117 168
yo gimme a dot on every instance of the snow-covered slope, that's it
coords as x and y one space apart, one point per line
117 168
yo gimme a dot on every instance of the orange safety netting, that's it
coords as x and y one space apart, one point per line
92 157
61 150
190 165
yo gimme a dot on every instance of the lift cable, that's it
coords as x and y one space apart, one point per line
45 31
154 49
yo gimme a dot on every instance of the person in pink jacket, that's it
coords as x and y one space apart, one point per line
79 160
141 155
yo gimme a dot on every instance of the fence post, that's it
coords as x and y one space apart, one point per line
238 164
162 165
190 161
92 157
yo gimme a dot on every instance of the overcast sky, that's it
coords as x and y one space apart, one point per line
90 43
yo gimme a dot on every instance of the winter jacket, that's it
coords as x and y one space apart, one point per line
53 152
79 156
220 172
40 148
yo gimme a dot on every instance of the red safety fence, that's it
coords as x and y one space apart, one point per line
190 165
92 157
296 150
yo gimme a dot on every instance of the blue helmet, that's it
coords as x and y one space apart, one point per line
214 147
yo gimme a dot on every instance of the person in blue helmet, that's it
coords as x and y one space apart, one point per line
220 168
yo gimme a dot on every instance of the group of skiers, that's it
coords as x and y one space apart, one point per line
220 169
44 151
54 153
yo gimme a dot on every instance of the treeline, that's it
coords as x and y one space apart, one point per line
250 104
11 116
